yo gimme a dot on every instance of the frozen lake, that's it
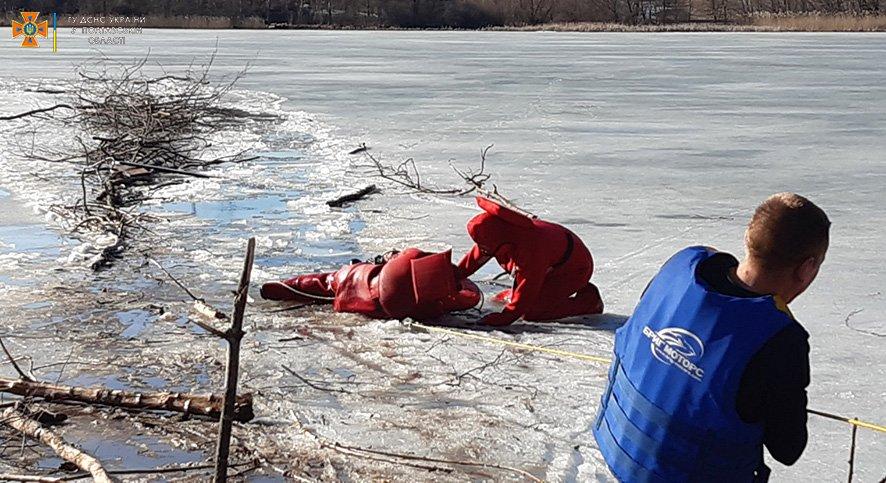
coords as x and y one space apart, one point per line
641 143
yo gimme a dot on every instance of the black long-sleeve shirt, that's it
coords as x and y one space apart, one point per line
773 386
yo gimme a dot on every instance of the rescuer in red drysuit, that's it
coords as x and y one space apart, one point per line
412 283
550 265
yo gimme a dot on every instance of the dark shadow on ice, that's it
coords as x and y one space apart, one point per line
602 322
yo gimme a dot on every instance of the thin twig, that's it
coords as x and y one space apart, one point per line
852 453
18 369
35 111
311 384
477 464
165 169
174 280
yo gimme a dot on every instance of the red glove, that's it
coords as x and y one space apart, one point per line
499 319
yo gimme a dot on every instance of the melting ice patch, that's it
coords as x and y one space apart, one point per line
279 196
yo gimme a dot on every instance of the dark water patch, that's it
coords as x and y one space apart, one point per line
130 380
29 239
226 211
89 380
136 452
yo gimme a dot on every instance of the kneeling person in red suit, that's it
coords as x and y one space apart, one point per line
550 265
412 283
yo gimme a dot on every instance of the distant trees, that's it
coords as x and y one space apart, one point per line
450 13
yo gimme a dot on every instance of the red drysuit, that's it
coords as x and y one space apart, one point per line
550 265
412 284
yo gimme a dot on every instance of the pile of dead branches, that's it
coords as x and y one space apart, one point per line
138 133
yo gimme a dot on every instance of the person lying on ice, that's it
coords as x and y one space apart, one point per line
550 265
712 366
411 283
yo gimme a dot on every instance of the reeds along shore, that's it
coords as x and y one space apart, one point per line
812 22
761 23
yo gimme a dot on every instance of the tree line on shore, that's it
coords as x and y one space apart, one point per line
446 13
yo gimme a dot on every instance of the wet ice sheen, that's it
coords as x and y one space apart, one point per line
642 144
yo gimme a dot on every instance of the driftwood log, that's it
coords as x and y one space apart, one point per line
352 197
18 421
38 478
360 149
201 404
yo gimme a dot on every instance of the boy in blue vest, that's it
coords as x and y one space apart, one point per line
712 366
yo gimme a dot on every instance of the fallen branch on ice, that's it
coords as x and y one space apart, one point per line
360 149
35 111
18 421
201 404
407 175
38 478
352 197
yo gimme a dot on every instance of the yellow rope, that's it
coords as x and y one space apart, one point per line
599 359
536 348
865 424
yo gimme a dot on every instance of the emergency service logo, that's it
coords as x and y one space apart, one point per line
673 345
30 28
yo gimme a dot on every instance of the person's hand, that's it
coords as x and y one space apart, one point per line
498 319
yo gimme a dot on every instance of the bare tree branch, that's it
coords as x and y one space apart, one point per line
15 419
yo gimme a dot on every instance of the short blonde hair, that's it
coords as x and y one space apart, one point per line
785 230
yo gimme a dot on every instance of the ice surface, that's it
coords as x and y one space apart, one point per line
640 143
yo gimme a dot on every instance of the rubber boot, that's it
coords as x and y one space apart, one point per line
586 301
313 284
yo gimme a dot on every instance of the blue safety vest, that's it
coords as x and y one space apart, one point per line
669 413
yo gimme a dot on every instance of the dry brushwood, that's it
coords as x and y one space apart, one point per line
476 181
15 419
137 132
209 405
407 175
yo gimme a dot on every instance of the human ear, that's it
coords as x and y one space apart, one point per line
807 271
